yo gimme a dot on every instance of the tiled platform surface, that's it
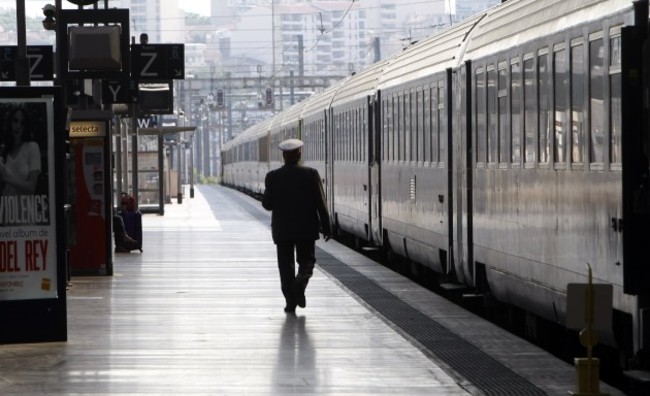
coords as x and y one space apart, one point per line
199 312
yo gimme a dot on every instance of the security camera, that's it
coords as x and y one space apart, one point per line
49 10
49 23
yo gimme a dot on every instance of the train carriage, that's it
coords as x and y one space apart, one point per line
416 160
546 154
317 133
356 184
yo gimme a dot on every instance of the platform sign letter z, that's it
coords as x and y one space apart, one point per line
34 61
145 70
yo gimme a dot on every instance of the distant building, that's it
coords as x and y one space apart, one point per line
162 20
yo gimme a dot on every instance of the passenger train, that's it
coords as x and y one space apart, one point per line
508 153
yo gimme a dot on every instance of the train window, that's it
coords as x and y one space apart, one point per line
340 155
356 156
318 136
544 92
418 111
502 103
341 136
596 101
435 130
347 143
384 141
359 128
309 146
426 119
561 98
492 132
615 101
323 138
577 102
515 110
442 123
530 110
347 146
349 127
351 142
480 118
395 139
363 136
312 134
335 134
263 151
357 135
384 131
400 128
416 142
344 137
314 146
415 127
363 126
417 120
408 131
391 129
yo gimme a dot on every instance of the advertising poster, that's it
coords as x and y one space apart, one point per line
28 251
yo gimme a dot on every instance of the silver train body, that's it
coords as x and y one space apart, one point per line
507 152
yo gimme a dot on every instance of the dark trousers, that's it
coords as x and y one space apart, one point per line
305 256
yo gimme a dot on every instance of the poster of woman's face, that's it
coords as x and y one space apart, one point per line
24 145
24 167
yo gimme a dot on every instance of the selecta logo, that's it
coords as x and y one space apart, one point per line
87 128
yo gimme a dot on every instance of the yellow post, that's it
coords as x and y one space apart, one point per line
588 369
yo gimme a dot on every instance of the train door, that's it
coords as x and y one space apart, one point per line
636 154
462 175
329 163
374 144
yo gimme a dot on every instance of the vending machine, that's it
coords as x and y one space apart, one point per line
90 186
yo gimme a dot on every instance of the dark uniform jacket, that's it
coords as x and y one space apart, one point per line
295 195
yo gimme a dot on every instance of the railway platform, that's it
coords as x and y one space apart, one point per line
200 312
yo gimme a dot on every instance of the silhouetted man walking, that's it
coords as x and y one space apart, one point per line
294 193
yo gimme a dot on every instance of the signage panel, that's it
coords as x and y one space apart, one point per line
119 91
158 61
41 62
87 129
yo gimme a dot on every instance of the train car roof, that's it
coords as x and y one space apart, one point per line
431 55
292 114
517 22
253 132
361 84
322 100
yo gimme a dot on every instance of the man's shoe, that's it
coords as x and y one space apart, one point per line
290 309
301 301
299 286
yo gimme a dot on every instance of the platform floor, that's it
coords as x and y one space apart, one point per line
200 312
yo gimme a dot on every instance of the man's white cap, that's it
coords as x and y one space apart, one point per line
290 144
